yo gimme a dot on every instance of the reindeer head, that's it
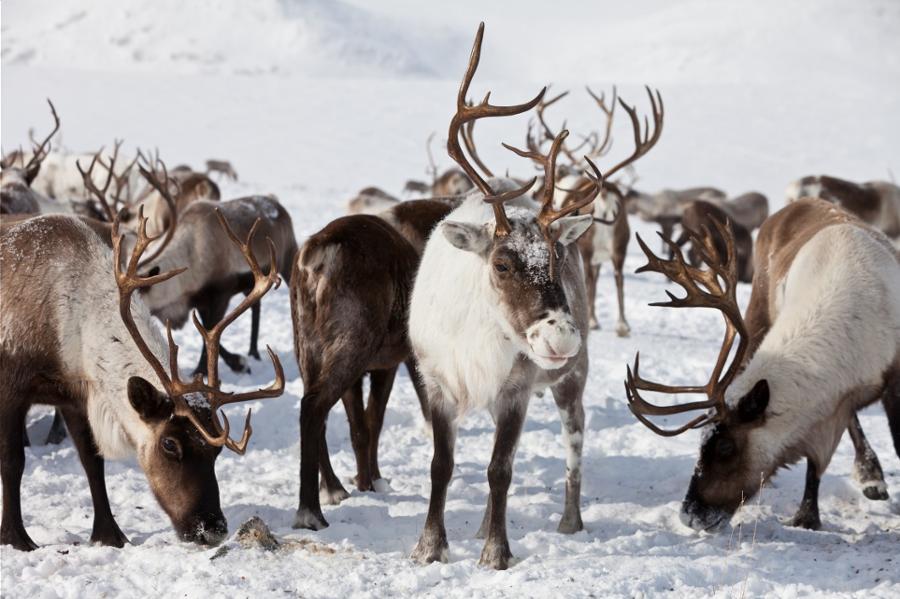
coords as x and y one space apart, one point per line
732 464
16 181
185 432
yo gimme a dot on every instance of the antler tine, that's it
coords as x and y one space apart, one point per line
644 140
128 282
603 147
432 166
87 178
151 176
211 337
466 113
468 136
704 290
43 149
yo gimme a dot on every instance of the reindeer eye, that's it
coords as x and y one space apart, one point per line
500 267
170 446
725 447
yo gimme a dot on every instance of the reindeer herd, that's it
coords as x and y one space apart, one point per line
485 290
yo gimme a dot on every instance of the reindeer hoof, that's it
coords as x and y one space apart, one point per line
806 519
109 535
496 555
238 364
19 539
570 524
365 487
623 330
431 549
875 490
305 518
254 354
332 496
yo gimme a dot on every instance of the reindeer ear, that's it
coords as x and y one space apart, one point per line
469 237
753 405
31 173
572 227
152 405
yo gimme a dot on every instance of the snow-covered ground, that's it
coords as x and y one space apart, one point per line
315 100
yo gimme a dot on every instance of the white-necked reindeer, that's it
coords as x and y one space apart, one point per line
499 310
74 335
820 340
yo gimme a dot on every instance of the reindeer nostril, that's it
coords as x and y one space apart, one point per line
551 322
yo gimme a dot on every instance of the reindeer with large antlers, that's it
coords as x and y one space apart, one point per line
826 287
74 334
17 192
498 311
608 238
217 271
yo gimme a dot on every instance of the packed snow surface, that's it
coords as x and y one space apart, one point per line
314 100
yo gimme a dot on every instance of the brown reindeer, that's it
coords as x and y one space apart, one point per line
349 301
452 182
73 336
191 238
826 286
699 214
371 200
750 210
873 202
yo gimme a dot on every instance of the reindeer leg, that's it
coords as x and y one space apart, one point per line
211 312
412 368
314 408
622 327
359 434
12 466
382 383
255 310
807 515
432 545
568 395
866 467
593 271
331 491
57 432
510 418
105 530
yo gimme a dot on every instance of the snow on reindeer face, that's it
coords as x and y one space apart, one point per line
532 302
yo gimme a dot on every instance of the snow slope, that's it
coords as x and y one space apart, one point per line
315 100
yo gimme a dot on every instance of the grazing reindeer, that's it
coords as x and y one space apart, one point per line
61 344
665 207
17 194
371 200
452 182
499 310
826 287
874 202
750 210
608 238
349 300
192 238
699 214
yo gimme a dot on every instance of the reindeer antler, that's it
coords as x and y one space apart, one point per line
87 177
129 281
713 287
643 138
466 113
42 149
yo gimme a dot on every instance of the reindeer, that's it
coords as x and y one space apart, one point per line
826 287
699 214
608 238
452 182
371 200
499 310
191 237
874 202
17 194
665 207
750 210
61 345
349 301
